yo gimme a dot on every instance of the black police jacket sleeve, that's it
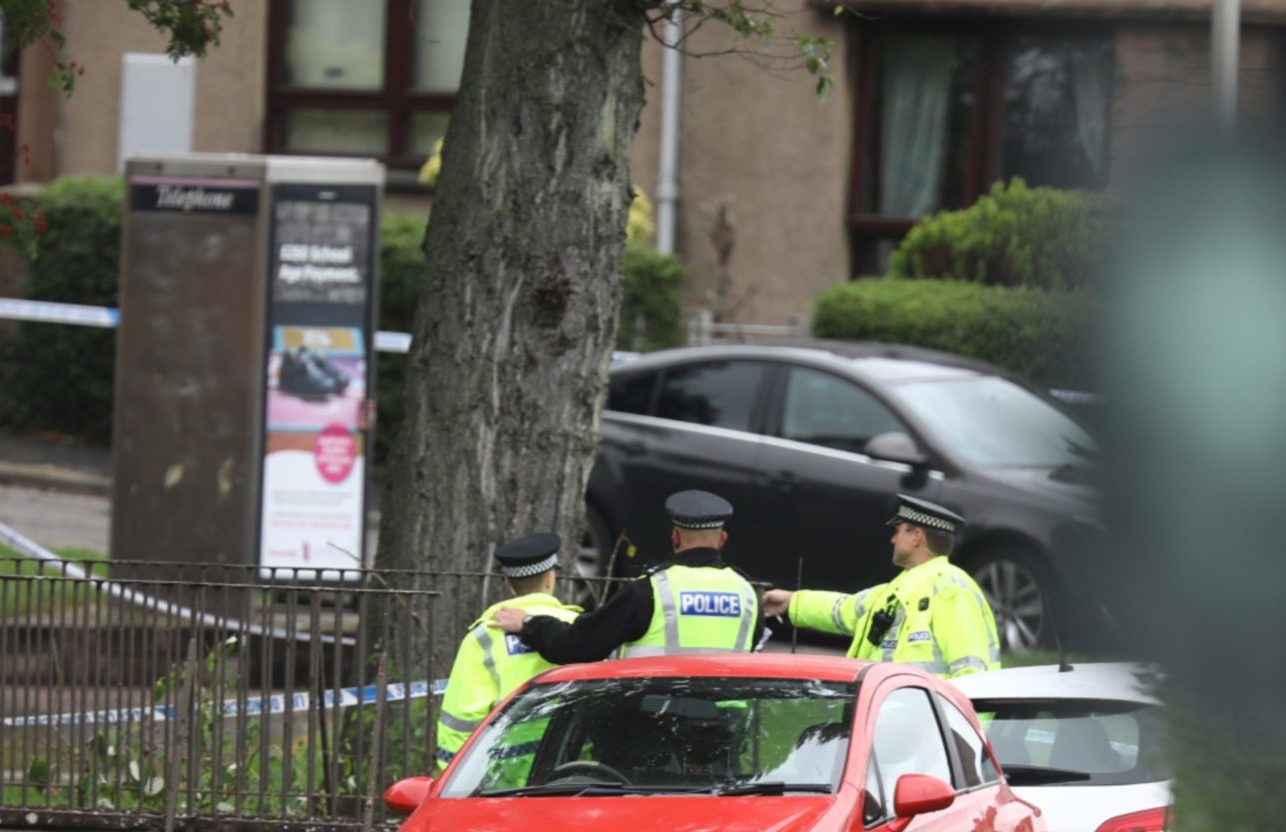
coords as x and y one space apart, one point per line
595 635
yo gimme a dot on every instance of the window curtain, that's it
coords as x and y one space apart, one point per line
1092 89
916 91
336 43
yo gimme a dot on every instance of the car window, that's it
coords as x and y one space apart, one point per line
907 738
977 767
631 393
826 410
718 393
1092 742
665 734
995 423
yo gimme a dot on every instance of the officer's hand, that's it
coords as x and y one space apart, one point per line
776 601
508 619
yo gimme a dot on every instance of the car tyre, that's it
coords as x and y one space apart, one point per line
1022 592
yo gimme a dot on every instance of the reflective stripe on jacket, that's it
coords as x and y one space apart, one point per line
942 622
488 666
697 609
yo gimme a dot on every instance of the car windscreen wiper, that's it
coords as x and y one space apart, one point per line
583 789
772 788
1020 775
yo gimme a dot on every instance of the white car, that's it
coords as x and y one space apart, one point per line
1084 744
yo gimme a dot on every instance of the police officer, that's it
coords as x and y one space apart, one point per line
489 665
931 615
692 604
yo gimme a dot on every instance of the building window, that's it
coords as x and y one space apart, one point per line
363 78
8 104
945 110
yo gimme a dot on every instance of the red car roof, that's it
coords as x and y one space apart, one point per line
769 665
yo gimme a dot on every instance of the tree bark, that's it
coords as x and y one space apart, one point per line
517 313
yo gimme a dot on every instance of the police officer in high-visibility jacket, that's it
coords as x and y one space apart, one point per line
694 603
932 615
489 664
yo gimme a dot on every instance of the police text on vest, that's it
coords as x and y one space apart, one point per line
710 603
514 645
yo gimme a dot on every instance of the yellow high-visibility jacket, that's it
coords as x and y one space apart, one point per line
488 666
697 609
942 622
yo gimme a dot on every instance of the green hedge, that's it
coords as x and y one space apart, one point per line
1040 335
651 308
1014 236
56 377
401 270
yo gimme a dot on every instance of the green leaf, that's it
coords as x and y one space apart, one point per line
38 774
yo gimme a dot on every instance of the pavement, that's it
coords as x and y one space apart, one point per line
54 492
44 462
58 493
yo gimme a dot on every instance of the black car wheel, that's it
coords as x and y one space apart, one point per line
1021 594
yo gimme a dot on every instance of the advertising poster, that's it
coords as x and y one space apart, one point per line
319 375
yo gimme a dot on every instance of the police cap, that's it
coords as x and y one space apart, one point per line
927 514
698 510
529 555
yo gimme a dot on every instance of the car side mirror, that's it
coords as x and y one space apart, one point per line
895 446
405 796
919 794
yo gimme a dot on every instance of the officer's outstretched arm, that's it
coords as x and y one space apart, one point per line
470 695
829 612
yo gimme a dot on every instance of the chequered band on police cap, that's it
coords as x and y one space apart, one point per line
529 569
911 515
697 525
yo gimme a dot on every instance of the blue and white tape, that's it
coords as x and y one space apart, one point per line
59 313
393 341
49 313
252 706
107 317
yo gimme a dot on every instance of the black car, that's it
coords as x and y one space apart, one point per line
811 442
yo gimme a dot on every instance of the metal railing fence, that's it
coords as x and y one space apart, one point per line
221 700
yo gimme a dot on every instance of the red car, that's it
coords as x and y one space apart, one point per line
728 742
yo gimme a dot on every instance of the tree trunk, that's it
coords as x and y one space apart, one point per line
518 310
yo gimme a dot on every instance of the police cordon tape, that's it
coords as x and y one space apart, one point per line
252 706
69 569
107 317
59 313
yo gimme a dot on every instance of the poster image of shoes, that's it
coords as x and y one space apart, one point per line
316 377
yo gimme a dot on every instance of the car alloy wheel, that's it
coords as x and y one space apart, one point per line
1017 600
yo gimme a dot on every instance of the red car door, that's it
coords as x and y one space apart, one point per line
915 729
